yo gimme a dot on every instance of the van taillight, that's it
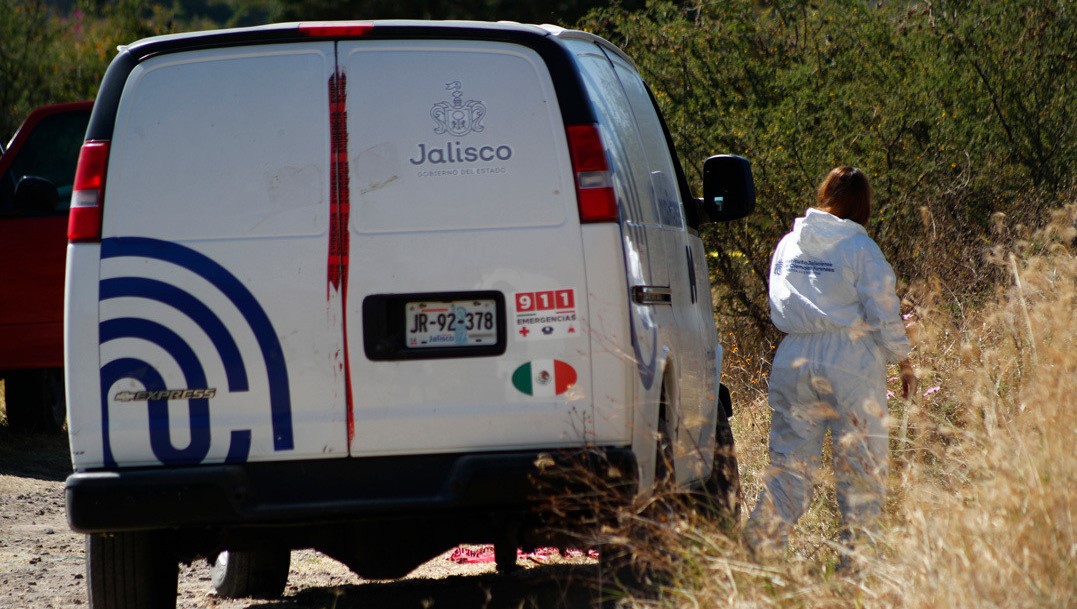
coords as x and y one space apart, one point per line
87 197
594 185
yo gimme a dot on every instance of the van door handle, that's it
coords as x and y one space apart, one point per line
651 295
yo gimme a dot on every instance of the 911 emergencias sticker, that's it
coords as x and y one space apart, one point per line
545 314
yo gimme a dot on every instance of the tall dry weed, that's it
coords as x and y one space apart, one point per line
982 508
989 482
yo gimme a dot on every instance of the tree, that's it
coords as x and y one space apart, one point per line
49 57
25 35
955 108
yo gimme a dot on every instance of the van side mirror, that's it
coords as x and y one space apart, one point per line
35 195
728 188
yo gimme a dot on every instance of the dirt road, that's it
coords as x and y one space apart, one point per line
42 562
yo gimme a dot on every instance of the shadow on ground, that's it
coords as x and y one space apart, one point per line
546 587
38 456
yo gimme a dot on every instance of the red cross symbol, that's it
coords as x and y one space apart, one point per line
524 331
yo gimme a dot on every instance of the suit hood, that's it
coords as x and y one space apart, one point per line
819 230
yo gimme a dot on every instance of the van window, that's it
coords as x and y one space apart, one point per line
662 176
453 135
228 143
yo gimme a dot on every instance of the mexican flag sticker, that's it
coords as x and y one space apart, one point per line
544 377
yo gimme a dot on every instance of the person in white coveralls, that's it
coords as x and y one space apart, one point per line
833 295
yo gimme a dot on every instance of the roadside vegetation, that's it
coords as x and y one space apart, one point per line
963 114
983 476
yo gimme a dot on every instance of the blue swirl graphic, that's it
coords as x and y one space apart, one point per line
194 376
210 323
120 369
207 320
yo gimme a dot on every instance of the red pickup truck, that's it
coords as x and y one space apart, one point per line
37 169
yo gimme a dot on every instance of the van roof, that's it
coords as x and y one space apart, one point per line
547 40
388 28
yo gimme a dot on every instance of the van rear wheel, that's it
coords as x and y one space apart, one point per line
254 573
721 496
625 574
634 566
130 571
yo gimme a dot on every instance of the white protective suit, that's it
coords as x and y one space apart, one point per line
833 293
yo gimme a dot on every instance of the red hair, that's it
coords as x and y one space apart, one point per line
846 193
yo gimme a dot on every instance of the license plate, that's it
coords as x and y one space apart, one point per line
457 323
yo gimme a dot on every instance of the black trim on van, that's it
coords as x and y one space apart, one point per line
103 117
339 490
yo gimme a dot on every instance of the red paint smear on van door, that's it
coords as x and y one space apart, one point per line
339 211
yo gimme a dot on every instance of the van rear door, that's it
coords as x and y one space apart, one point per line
462 206
220 332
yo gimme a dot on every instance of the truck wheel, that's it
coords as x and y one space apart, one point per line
623 575
665 478
617 579
505 557
254 574
35 400
721 496
130 571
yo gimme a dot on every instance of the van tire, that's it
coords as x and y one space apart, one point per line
505 557
251 574
616 577
622 574
35 400
131 570
721 495
726 400
665 478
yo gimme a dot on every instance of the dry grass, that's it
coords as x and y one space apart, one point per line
982 507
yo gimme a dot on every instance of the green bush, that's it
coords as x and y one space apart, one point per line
49 56
955 109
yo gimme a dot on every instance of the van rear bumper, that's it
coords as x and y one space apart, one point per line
335 490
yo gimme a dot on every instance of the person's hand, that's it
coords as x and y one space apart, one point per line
909 381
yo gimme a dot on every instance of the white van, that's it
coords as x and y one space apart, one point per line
360 286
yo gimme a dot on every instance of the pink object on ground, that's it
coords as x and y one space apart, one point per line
483 554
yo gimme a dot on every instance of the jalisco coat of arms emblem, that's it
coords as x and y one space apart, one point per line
458 117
